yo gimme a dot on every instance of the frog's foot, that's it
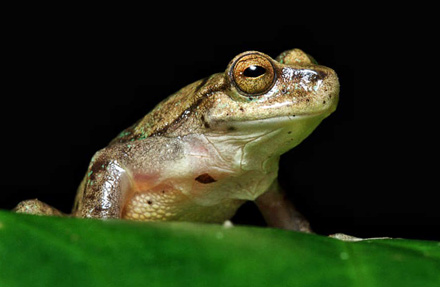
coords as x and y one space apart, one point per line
228 224
345 237
34 206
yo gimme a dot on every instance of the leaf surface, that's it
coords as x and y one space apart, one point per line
54 251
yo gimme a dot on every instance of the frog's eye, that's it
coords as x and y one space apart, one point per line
253 74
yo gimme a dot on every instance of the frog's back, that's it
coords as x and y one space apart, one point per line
165 118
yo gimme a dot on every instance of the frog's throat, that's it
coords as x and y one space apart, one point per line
264 139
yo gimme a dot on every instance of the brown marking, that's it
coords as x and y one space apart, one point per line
184 115
204 90
201 85
98 165
205 178
205 123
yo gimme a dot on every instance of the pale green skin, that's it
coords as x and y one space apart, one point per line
208 148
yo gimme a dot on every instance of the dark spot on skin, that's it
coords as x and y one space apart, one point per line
89 197
99 165
204 122
97 211
322 75
205 178
163 191
241 109
149 202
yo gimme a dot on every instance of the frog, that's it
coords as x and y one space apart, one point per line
215 144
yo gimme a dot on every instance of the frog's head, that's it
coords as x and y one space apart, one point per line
291 93
260 88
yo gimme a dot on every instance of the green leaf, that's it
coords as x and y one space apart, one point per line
54 251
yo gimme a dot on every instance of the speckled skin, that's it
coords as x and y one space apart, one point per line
202 152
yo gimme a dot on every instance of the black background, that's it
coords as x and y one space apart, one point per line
76 77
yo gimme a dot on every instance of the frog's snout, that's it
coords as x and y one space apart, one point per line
329 89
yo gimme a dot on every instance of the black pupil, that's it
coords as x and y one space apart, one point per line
254 71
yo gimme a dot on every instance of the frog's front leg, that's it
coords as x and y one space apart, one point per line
279 211
102 192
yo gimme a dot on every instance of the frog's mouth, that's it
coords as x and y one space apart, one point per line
270 116
273 122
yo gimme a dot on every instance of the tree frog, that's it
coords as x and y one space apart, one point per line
216 143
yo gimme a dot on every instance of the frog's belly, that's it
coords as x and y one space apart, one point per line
168 204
